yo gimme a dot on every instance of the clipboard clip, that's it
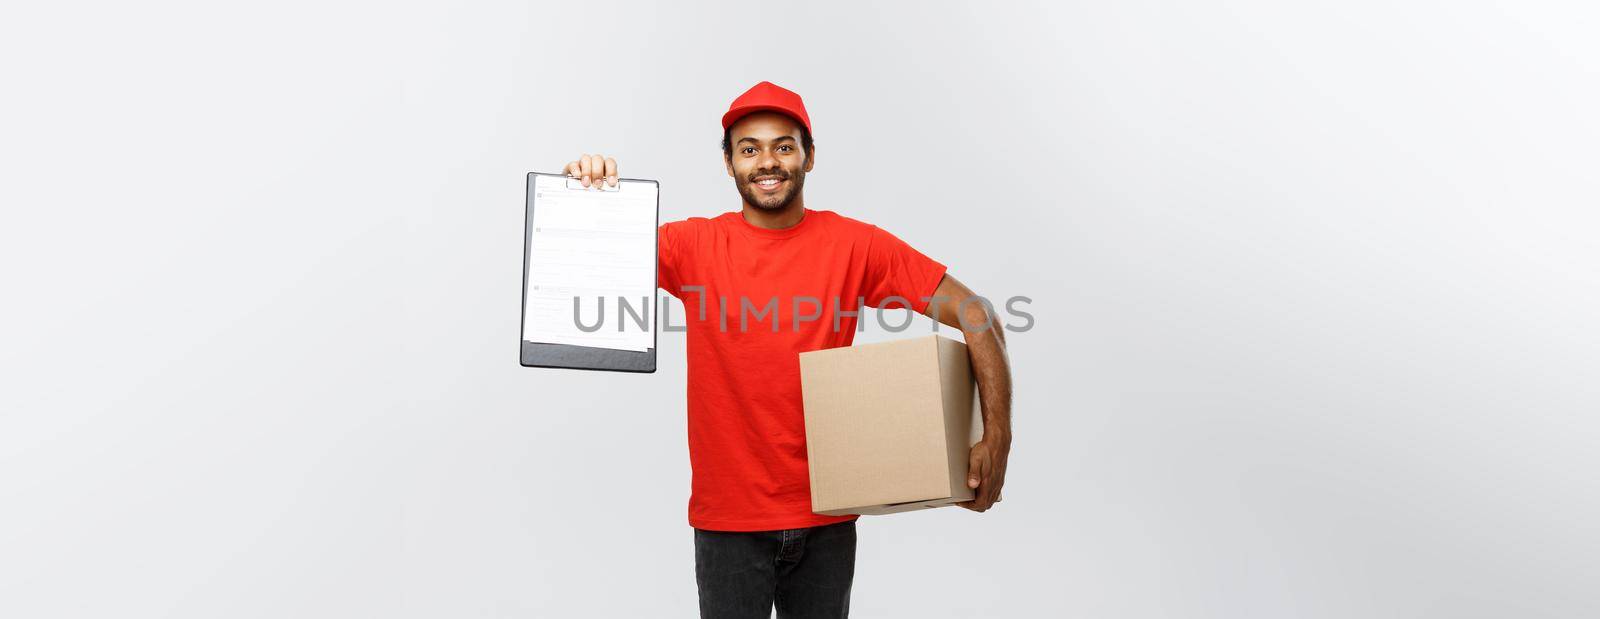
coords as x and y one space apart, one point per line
574 183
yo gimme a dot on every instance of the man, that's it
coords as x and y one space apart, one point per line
757 542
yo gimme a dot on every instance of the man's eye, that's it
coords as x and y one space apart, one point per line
786 147
747 150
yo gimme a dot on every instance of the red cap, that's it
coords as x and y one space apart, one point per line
767 96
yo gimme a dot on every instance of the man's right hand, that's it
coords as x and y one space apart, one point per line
593 170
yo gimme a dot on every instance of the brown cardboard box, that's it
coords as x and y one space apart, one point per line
889 426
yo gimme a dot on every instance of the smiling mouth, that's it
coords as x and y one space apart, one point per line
769 184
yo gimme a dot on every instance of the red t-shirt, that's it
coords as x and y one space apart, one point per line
747 437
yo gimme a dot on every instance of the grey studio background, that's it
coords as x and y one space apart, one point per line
1315 288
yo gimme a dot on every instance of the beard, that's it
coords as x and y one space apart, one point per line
793 182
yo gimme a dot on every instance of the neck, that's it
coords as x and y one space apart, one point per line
780 219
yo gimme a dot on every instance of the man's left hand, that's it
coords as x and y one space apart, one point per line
986 472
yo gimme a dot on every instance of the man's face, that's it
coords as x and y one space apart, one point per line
766 160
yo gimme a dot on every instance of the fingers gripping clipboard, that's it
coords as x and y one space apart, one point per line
589 274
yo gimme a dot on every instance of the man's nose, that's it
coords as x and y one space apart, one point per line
766 161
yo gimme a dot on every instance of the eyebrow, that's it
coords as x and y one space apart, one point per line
778 139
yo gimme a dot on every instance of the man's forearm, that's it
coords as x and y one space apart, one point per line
956 305
986 345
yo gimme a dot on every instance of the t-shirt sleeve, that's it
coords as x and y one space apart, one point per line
899 275
674 243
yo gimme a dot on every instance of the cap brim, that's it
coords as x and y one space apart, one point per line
735 114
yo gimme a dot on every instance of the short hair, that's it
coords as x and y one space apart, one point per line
727 145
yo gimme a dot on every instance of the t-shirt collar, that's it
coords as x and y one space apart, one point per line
766 233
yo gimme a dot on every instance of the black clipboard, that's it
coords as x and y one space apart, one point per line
546 355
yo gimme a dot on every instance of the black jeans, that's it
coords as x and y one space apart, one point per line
805 572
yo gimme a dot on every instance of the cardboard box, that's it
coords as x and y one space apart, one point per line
889 426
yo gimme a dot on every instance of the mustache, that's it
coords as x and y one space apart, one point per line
778 172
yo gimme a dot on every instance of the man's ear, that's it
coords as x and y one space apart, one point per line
811 158
727 162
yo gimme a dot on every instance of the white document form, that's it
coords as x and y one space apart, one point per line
598 246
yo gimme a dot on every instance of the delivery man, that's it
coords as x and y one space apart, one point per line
757 543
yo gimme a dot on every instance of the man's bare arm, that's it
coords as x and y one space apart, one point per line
957 306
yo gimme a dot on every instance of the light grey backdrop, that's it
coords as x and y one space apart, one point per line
1315 288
